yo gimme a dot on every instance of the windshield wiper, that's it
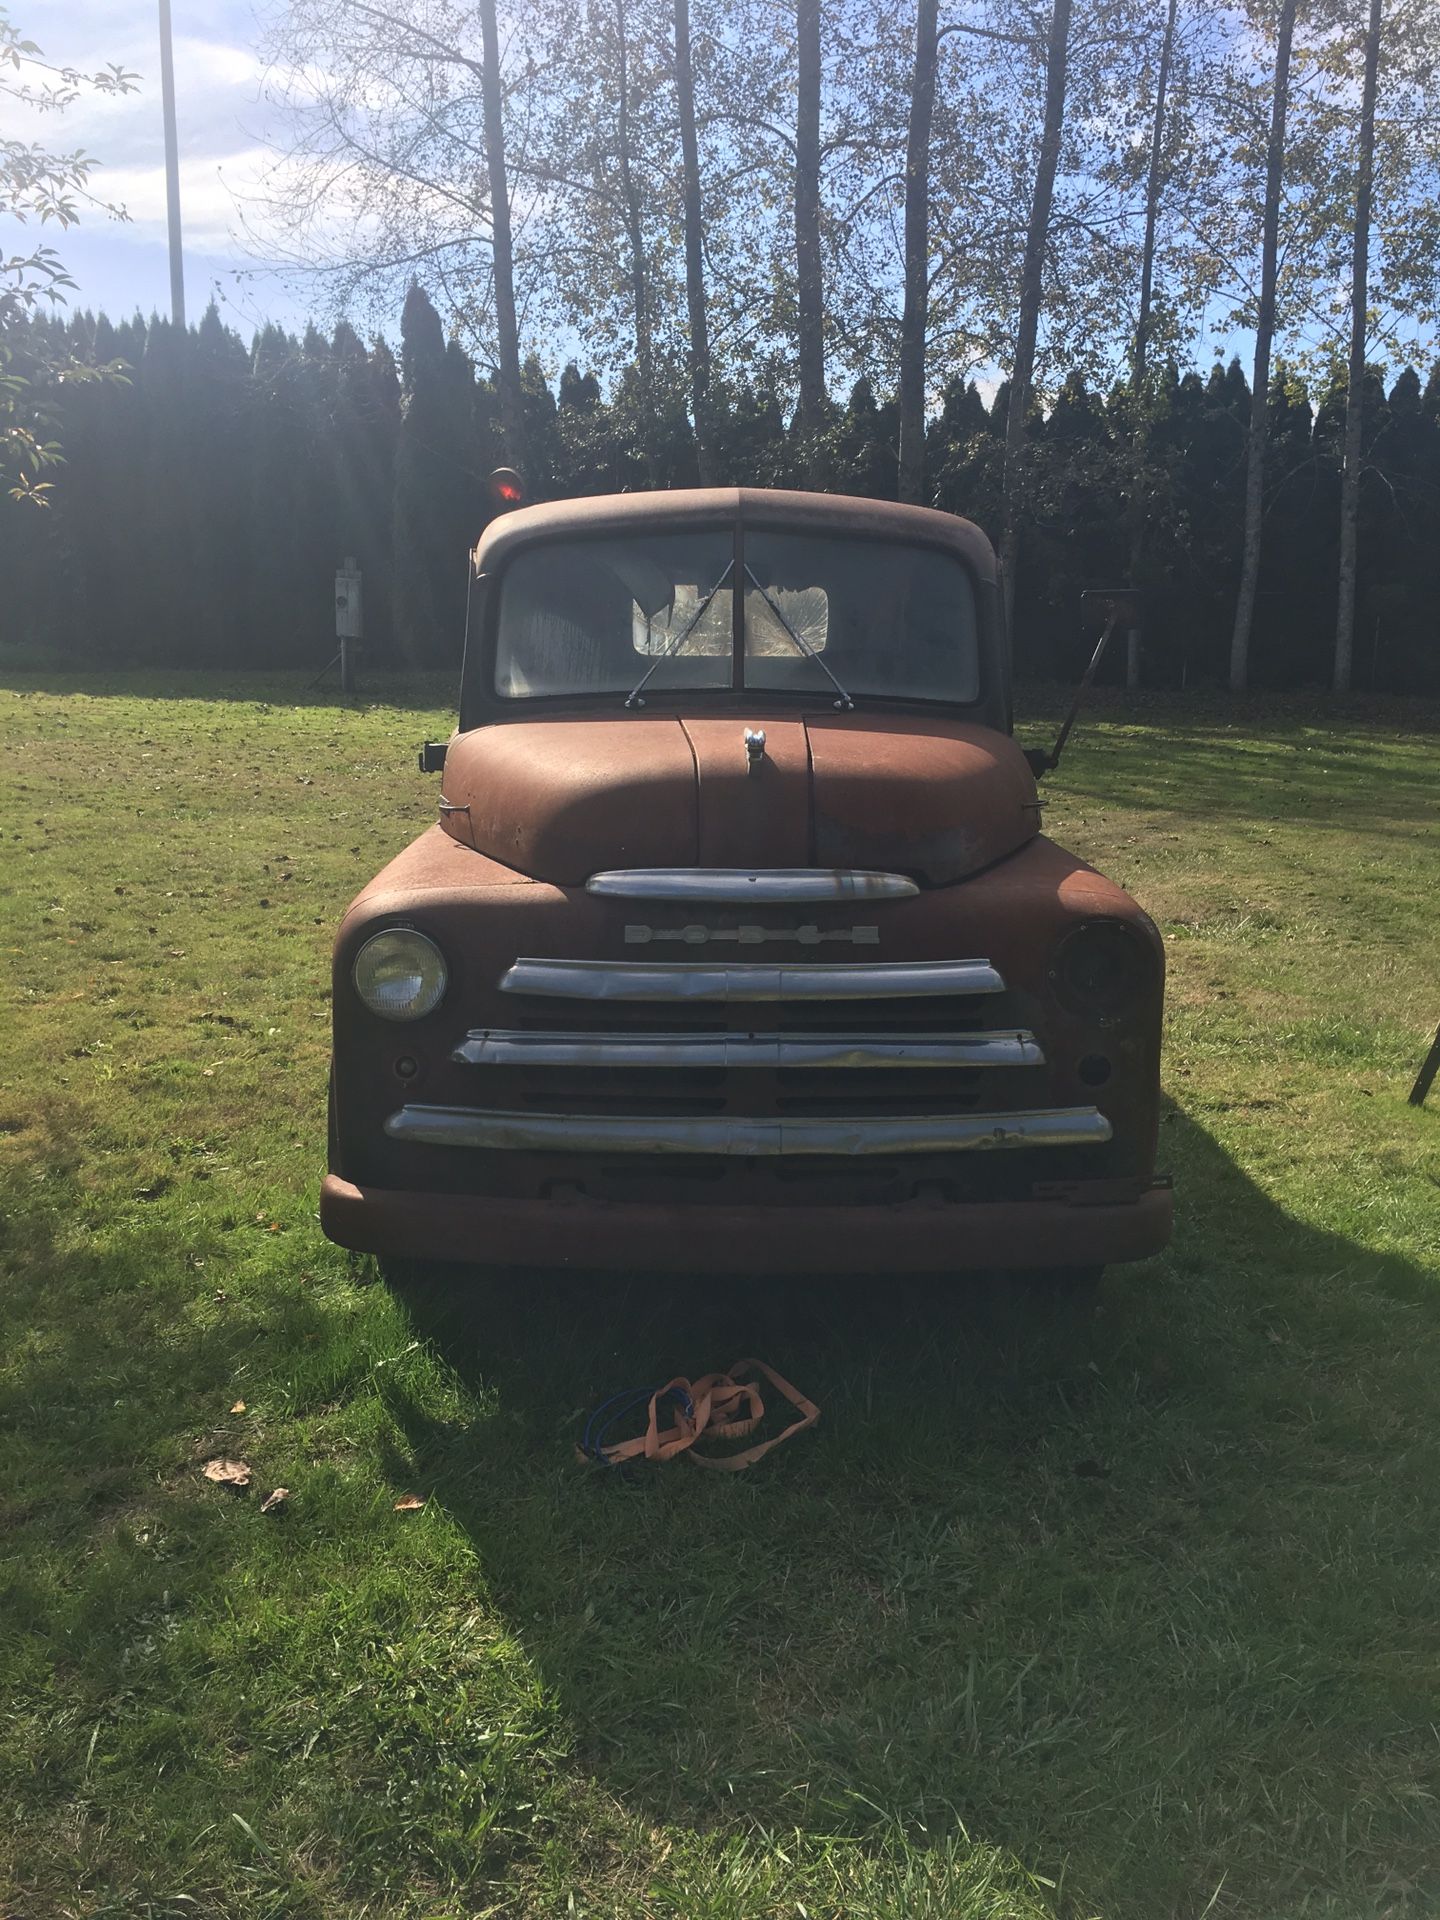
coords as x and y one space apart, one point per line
845 703
632 699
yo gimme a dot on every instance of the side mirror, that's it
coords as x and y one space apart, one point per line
432 757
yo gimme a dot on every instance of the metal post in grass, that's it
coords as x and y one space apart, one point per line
349 620
1427 1073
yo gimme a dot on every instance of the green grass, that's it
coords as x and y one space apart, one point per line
1133 1616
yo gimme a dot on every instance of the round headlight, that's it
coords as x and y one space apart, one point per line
400 974
1103 970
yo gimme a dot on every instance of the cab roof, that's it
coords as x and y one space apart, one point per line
721 506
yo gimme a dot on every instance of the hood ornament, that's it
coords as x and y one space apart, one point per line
754 748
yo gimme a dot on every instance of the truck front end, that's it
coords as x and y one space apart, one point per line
737 944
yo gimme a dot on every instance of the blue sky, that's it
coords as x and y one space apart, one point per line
225 126
222 118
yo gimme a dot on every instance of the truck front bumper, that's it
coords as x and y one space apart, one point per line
915 1237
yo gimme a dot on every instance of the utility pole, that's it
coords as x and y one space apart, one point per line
172 168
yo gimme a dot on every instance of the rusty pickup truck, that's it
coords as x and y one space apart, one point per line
737 943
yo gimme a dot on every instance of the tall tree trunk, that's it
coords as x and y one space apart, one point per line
809 287
1152 198
639 287
512 415
1141 443
1031 282
1264 338
1355 389
914 318
699 343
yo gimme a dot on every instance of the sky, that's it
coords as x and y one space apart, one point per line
221 115
223 120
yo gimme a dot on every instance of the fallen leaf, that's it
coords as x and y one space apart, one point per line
228 1473
410 1503
239 1407
275 1499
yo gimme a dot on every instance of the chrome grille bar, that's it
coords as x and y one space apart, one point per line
741 886
705 980
745 1137
485 1047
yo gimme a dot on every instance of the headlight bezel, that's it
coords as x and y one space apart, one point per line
1125 958
428 967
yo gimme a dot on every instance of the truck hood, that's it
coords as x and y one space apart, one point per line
560 800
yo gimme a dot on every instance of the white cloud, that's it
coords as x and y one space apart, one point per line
221 116
207 190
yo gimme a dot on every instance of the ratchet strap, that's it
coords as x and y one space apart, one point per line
718 1406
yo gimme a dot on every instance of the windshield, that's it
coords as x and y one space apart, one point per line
650 615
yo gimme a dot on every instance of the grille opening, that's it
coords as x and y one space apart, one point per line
939 1015
670 1167
539 1085
893 1105
636 1091
620 1016
817 1167
635 1105
840 1090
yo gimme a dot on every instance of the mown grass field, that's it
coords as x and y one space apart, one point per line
1128 1616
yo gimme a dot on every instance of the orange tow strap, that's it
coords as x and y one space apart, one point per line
722 1406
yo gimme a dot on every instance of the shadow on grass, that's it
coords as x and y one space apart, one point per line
1309 763
1132 1593
123 1348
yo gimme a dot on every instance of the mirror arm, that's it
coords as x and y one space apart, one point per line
1041 762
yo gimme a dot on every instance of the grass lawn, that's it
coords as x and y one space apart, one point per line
1130 1615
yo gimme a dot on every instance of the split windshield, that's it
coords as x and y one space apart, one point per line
654 614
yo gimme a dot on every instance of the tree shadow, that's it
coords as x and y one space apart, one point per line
1272 745
1075 1581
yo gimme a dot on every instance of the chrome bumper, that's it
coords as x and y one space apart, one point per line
740 1135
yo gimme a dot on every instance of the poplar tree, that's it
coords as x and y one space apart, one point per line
1264 342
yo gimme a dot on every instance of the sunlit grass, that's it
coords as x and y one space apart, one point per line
1131 1617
